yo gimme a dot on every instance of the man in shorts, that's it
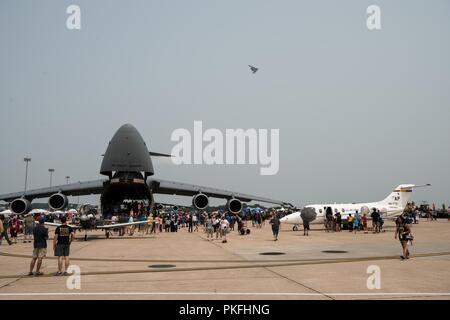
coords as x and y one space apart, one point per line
61 245
40 235
29 225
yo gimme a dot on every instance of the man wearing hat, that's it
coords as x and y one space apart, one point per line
40 234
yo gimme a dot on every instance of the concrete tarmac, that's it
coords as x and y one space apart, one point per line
185 265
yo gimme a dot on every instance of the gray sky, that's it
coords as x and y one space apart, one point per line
359 111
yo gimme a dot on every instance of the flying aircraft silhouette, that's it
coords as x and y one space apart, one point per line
254 69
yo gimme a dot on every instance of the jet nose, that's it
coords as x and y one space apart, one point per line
127 152
284 219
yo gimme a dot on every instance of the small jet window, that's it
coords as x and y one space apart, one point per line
320 211
343 210
336 210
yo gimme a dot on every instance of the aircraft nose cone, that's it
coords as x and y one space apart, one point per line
127 152
284 219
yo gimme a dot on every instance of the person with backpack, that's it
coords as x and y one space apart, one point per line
403 232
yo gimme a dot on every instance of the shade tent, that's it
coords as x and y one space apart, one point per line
6 212
38 211
58 212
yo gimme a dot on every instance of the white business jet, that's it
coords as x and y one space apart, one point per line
393 205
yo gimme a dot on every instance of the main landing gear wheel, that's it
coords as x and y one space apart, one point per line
107 234
295 228
85 237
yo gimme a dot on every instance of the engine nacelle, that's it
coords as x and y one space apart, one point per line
200 201
365 210
234 205
20 206
58 201
308 214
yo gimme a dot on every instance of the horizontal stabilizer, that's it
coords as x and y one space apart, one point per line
156 154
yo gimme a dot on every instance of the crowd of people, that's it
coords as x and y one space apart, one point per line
216 225
354 222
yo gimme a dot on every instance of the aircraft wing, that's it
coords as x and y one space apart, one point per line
183 189
119 225
53 224
72 189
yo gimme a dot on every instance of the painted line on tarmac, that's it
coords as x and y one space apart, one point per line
249 266
359 294
418 255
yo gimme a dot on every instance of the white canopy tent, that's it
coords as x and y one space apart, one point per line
6 212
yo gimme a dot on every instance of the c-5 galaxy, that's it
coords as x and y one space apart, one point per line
127 163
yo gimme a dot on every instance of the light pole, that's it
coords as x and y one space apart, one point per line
67 179
51 175
26 172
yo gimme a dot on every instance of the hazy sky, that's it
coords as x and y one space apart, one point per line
359 111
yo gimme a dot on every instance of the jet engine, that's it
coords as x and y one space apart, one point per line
365 210
234 205
200 201
20 206
58 201
308 214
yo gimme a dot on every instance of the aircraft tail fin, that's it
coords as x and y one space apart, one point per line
402 194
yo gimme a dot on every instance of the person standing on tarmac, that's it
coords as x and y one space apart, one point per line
275 226
3 230
403 232
305 228
40 236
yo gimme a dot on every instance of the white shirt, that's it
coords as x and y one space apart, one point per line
224 224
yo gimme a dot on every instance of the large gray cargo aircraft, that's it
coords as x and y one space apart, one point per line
128 165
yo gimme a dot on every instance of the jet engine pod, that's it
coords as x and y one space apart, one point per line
365 210
308 214
58 201
20 206
234 205
160 207
175 208
200 201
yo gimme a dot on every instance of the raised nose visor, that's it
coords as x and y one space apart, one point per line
127 152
